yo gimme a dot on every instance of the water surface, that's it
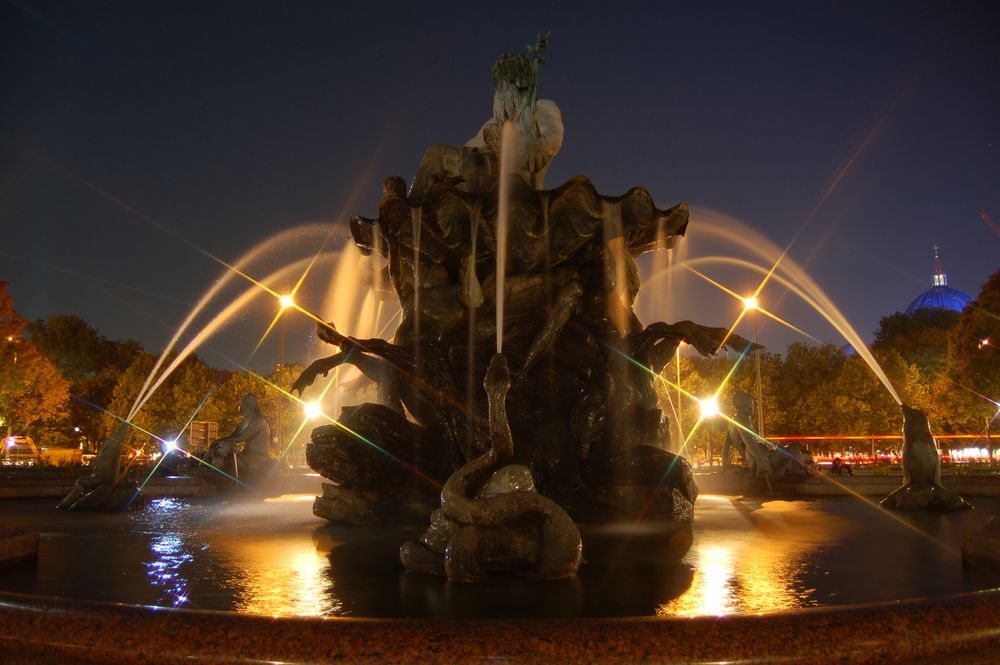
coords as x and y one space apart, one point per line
276 558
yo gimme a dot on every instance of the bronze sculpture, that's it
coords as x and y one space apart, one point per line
922 488
492 519
581 405
253 463
106 487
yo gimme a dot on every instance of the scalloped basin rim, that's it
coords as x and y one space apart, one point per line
40 629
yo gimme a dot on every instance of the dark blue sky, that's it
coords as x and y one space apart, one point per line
226 122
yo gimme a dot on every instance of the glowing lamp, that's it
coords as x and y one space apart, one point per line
286 301
750 303
312 410
170 446
709 407
11 442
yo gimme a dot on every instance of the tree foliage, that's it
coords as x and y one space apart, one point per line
811 390
167 413
223 406
974 360
31 388
91 363
921 338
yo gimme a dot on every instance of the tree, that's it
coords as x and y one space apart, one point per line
91 363
805 370
223 406
855 402
974 360
171 407
31 388
921 338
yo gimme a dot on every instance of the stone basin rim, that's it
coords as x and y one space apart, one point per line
79 631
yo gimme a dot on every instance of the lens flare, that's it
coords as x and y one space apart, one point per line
709 407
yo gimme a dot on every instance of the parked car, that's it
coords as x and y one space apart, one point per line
18 451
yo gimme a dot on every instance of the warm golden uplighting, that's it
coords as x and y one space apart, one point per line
752 567
312 410
286 301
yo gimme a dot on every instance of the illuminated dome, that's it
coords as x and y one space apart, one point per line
940 295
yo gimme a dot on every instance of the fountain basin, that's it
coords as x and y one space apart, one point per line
810 581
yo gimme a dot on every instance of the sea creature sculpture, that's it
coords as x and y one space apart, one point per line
742 436
922 489
105 488
491 517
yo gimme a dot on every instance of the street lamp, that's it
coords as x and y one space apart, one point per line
709 409
751 304
286 302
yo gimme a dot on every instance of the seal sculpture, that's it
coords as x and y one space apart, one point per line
492 519
922 489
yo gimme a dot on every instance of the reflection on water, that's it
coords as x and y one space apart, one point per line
265 570
278 577
753 559
275 558
170 556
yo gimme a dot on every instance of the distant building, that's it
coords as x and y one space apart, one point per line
940 295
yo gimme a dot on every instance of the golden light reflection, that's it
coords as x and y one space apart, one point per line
752 561
281 577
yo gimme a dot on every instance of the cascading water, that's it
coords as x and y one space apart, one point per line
786 272
509 157
416 222
308 233
473 294
614 273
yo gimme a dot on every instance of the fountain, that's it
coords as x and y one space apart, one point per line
481 258
516 442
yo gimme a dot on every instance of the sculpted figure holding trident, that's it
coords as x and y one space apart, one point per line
254 461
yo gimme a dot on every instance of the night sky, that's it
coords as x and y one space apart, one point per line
138 137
